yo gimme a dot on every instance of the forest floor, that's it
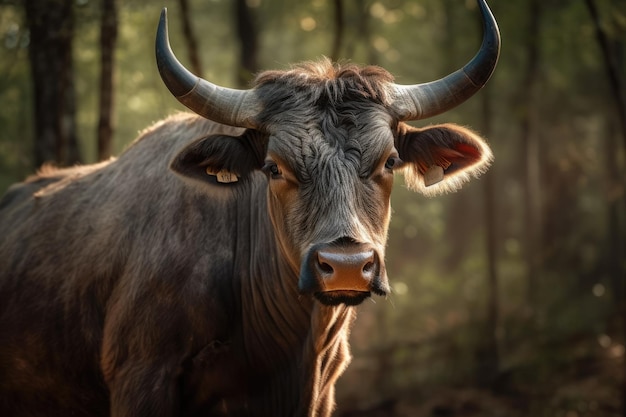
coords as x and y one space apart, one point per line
588 384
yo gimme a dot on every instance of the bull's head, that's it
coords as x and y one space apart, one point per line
329 139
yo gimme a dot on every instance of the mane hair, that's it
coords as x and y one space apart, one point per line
324 83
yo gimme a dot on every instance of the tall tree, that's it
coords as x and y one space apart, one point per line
51 26
363 33
339 29
488 353
616 233
247 33
616 245
190 38
611 66
459 230
108 38
530 150
612 51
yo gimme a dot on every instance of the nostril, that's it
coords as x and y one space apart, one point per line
369 267
353 262
326 268
343 270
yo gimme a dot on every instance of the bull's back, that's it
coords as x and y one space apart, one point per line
69 239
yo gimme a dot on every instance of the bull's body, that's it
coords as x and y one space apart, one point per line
154 285
161 290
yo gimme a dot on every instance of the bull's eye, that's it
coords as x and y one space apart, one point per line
272 170
393 162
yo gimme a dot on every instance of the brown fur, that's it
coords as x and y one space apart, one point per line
129 290
121 280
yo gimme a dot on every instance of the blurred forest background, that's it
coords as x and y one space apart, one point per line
508 295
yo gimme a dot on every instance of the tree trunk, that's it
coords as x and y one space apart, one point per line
190 38
363 33
616 233
458 230
50 52
530 155
108 37
612 68
70 152
248 38
488 354
339 30
617 247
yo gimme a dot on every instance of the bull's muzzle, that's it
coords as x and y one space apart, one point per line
343 272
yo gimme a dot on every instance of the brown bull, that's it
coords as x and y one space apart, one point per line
213 270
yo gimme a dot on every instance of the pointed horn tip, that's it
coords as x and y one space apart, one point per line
161 42
436 97
491 29
223 105
162 32
178 80
163 20
489 50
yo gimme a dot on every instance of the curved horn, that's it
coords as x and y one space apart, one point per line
419 101
220 104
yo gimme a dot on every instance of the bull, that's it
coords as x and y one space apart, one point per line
214 267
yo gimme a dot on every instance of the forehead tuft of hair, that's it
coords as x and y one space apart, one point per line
329 83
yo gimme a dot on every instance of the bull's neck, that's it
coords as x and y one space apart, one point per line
283 330
275 316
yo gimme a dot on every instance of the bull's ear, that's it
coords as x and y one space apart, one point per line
221 158
441 158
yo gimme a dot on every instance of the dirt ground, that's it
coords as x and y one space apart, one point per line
590 387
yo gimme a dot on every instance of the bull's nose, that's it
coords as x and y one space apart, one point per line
343 271
344 268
